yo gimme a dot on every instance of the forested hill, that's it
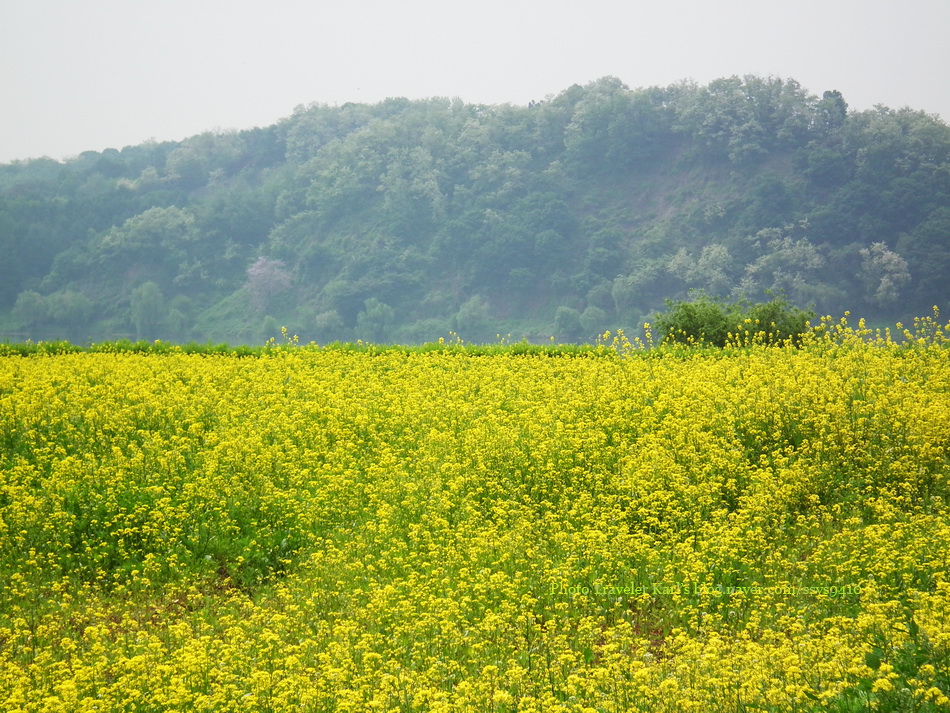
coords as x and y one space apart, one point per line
404 220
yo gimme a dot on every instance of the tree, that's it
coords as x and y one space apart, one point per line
614 128
412 199
69 308
422 204
157 234
375 321
269 328
786 265
593 321
329 324
708 272
178 323
831 112
746 118
707 321
927 249
148 309
702 321
266 279
472 319
567 322
884 272
30 309
206 155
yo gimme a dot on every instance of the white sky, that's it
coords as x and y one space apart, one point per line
80 75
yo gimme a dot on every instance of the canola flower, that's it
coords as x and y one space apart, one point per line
666 529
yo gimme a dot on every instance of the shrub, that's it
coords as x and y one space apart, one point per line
711 322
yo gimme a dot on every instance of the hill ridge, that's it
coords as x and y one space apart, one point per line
407 219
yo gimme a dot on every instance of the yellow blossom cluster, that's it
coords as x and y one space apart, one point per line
665 529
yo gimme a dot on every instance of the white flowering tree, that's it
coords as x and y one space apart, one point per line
709 271
884 273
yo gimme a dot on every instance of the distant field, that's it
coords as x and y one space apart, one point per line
441 529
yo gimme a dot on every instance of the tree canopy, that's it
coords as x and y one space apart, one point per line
404 220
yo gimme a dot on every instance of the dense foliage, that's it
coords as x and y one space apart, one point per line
404 220
313 529
718 323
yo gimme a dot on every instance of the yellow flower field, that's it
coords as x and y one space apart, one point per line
672 529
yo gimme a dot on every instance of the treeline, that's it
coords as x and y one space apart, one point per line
408 220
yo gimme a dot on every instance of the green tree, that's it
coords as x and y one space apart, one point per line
927 250
593 321
31 308
412 199
708 321
206 156
375 321
567 322
329 325
178 324
614 128
147 309
831 113
155 233
624 292
472 320
702 321
269 328
744 119
69 308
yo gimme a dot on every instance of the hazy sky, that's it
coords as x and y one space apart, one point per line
80 75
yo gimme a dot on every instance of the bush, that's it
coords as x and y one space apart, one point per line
711 322
779 320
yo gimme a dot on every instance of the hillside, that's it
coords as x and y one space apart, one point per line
404 220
